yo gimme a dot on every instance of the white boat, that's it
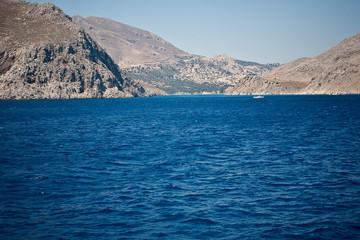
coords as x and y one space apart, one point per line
258 96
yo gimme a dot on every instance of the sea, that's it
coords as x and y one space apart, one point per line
181 167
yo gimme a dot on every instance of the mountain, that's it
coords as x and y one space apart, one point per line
198 74
148 58
128 45
44 55
336 71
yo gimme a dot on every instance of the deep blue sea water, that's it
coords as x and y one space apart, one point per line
181 167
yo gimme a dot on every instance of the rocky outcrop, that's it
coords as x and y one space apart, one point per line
44 55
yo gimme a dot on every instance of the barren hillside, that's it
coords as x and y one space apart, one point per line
129 46
150 59
336 71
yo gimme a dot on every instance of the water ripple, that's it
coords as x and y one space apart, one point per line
201 167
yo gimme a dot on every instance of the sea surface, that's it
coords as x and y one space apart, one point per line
181 167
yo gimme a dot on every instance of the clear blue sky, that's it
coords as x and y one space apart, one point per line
254 30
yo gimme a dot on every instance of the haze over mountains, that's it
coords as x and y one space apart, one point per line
43 54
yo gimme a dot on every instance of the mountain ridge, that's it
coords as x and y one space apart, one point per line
171 69
44 54
336 71
129 46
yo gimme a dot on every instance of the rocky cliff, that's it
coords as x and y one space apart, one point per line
44 55
150 59
336 71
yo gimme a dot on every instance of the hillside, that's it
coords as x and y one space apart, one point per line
127 45
336 71
43 54
150 59
198 74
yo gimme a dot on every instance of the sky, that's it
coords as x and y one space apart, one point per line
263 31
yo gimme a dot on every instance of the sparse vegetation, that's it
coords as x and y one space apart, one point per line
197 74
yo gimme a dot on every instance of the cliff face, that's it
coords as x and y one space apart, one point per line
43 54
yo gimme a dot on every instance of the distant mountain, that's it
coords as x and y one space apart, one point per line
336 71
198 74
147 57
43 54
128 45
